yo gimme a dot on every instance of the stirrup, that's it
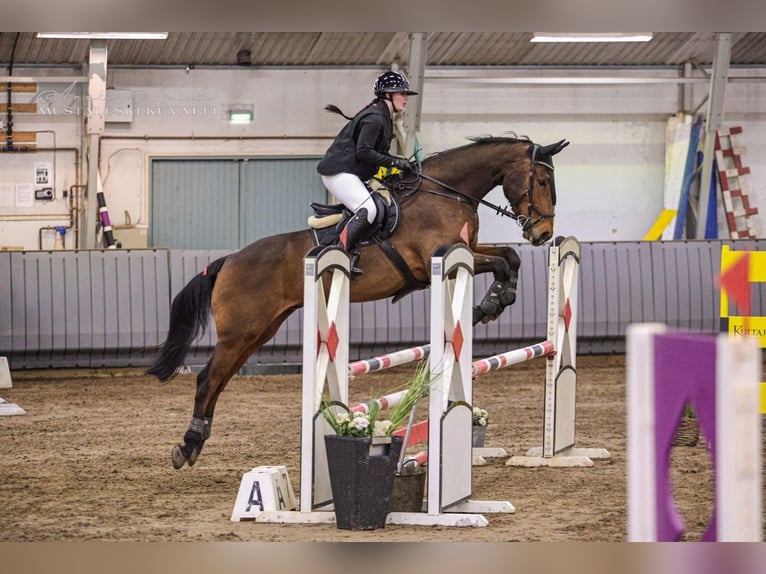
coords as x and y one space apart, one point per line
356 271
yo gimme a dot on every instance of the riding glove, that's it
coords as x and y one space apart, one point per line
402 164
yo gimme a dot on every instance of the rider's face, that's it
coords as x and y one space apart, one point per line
399 99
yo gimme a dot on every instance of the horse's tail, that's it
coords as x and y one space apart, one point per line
188 318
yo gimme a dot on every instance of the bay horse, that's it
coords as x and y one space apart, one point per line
252 291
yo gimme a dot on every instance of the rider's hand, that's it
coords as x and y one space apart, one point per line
402 164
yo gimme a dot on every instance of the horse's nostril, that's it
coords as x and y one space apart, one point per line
544 237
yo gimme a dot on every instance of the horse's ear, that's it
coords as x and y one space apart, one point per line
553 149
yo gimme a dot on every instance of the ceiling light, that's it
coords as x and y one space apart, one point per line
106 35
593 37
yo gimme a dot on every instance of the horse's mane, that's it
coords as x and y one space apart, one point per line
476 140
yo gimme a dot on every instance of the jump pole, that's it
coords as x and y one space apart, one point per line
388 361
719 376
479 367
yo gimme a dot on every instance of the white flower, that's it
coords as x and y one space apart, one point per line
360 423
381 428
480 416
342 418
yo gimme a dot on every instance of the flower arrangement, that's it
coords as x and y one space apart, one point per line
480 417
361 424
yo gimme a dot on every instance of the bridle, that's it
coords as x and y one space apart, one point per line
526 222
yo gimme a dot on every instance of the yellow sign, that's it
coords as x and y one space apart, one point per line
738 326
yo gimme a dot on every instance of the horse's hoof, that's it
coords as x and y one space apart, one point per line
193 457
178 457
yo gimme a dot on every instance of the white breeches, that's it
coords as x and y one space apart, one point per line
351 192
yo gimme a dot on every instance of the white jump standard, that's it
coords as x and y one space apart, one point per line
6 408
558 448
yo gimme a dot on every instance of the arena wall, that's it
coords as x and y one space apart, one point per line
106 308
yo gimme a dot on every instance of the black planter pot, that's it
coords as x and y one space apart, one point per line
361 477
478 435
408 492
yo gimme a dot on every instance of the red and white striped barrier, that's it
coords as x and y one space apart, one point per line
385 402
419 431
382 362
484 366
480 366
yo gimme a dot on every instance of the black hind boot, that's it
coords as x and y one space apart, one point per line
352 235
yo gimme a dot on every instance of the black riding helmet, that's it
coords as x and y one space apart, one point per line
391 83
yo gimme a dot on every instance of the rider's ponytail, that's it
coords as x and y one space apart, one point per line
336 110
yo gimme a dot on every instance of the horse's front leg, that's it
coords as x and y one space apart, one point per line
504 264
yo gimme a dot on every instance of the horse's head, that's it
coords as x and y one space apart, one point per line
534 199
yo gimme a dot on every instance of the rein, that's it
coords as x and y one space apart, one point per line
466 198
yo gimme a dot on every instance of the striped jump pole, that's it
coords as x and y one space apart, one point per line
484 366
385 402
388 361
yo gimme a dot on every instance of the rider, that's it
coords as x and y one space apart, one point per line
357 153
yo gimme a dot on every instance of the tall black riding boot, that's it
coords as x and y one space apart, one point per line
352 235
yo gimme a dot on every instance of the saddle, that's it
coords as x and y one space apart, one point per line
328 221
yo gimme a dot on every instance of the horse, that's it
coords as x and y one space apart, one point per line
252 291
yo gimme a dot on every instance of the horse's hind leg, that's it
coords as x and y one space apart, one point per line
504 264
225 362
222 366
210 381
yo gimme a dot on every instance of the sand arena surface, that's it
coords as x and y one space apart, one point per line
91 459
